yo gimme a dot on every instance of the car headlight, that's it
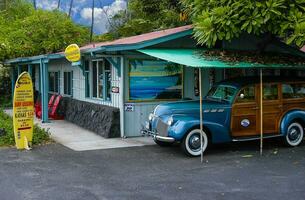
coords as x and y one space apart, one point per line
170 120
151 116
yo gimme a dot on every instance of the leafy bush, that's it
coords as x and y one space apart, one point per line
40 136
5 88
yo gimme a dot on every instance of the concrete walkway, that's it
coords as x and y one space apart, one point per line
80 139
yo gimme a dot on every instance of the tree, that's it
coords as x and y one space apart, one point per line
226 19
25 31
144 16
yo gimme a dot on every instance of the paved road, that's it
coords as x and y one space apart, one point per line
233 171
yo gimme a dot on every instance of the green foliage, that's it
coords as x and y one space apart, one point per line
5 85
144 16
40 136
226 19
26 32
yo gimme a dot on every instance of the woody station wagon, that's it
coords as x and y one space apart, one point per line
231 113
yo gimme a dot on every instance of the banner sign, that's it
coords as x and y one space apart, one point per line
23 111
72 53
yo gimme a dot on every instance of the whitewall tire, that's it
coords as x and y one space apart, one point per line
191 143
294 135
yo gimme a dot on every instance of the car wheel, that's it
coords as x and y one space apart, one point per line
162 144
191 143
294 135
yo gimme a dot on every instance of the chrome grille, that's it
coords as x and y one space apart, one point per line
162 128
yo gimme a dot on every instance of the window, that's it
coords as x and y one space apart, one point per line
68 82
101 80
270 92
54 82
246 94
87 81
221 93
151 80
293 91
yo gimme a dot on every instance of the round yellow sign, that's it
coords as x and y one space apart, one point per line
72 53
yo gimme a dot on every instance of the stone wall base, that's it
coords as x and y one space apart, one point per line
101 119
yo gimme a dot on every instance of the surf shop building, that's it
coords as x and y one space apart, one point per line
117 84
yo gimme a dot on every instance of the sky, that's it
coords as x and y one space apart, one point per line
82 11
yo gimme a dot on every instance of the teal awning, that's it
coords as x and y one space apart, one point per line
195 58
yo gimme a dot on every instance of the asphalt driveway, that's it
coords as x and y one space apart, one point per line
232 171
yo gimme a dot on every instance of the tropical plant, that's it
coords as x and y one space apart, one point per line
226 19
25 31
144 16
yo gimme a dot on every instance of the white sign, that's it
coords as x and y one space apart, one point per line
129 107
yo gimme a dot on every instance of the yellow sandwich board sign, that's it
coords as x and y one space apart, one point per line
72 53
23 111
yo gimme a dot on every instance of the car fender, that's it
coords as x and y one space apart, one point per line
219 132
289 117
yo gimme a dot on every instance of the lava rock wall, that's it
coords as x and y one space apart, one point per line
101 119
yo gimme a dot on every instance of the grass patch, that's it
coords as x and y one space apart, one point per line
40 136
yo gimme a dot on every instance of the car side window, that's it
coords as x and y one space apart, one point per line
270 92
293 91
246 94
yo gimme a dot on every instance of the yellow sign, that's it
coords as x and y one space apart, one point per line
23 112
72 53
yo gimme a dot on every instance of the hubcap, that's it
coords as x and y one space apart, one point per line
194 142
294 134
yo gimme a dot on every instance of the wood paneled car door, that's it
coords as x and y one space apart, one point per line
245 112
272 107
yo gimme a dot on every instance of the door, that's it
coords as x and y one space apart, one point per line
245 112
272 108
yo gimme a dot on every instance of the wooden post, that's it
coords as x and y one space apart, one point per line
261 111
201 116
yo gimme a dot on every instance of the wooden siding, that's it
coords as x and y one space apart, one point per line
78 87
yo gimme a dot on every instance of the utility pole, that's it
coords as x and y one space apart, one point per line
34 3
70 9
58 4
92 21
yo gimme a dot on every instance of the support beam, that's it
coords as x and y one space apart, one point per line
30 70
19 68
201 116
261 111
122 111
44 81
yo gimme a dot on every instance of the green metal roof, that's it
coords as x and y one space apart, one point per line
193 58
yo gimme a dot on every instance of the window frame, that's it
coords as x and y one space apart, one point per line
58 82
71 83
151 100
290 99
248 102
278 92
104 82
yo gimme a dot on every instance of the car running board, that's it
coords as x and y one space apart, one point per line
253 138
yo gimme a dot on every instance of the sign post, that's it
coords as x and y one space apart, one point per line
23 111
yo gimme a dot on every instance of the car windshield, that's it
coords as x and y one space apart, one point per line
221 93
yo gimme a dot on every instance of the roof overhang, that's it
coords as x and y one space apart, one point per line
195 58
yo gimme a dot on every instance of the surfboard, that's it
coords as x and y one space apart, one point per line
23 111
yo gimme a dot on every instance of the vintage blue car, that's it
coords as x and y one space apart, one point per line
231 113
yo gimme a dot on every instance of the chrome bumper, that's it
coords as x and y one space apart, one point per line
156 136
164 139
